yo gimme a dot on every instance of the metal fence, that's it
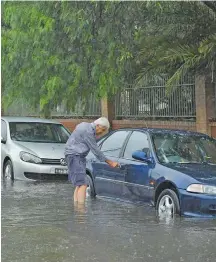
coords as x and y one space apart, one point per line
89 109
153 101
147 101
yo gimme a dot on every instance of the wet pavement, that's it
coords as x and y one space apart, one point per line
40 223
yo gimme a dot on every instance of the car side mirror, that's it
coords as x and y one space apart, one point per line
142 156
3 140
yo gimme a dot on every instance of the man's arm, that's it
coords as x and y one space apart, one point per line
92 144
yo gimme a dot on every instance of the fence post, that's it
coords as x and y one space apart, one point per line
108 108
205 99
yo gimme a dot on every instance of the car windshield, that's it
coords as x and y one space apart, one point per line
184 148
38 132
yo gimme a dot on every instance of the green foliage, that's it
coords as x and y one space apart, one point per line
181 40
54 53
57 52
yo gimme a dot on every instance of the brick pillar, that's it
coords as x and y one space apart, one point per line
108 108
205 107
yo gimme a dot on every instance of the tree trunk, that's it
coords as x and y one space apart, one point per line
46 113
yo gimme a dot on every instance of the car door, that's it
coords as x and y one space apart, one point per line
137 173
3 141
105 176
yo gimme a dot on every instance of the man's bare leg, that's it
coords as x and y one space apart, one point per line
75 194
81 194
80 208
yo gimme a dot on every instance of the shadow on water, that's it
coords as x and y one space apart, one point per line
41 223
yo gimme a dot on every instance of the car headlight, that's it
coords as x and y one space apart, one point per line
26 157
202 189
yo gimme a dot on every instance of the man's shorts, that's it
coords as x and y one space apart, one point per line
77 170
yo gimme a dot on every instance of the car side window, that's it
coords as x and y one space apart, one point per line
113 144
3 129
138 141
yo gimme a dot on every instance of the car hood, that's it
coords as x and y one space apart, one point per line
43 150
204 173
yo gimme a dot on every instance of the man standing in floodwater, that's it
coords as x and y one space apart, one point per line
81 141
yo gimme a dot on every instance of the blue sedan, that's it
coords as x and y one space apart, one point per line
171 169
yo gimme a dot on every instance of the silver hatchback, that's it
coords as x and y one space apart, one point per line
32 148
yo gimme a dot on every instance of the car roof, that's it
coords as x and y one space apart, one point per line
28 119
164 131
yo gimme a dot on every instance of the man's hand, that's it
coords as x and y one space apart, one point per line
112 163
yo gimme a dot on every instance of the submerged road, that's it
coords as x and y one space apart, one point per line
40 223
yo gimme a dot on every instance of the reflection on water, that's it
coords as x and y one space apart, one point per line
41 223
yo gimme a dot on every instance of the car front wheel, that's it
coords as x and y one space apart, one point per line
168 204
8 172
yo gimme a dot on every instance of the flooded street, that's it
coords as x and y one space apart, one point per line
40 223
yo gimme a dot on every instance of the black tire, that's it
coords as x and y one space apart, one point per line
173 201
91 188
9 165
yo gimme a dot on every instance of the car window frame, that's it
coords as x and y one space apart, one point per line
5 138
149 142
125 141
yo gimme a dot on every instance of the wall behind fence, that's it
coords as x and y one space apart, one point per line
213 129
116 124
190 126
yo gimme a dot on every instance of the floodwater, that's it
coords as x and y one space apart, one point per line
40 223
